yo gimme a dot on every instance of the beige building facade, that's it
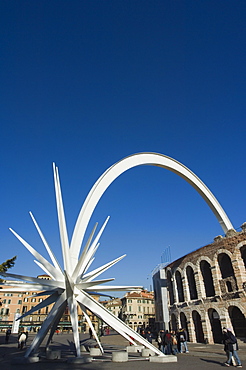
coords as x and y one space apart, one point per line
138 309
15 304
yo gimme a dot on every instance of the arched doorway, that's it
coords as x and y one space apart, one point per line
198 327
227 272
225 265
243 254
170 287
207 278
174 325
179 286
215 325
184 325
238 321
191 282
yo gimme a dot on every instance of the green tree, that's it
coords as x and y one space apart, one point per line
7 265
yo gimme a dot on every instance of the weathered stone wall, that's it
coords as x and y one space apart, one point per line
206 315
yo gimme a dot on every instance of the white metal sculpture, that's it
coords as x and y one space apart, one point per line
73 284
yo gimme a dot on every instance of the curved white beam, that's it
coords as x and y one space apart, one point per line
154 159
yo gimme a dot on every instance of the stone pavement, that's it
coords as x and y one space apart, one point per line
200 356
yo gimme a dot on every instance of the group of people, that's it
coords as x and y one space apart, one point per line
171 342
22 338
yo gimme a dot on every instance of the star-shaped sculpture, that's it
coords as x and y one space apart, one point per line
72 285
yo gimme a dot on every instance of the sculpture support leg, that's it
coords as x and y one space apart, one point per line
123 329
56 309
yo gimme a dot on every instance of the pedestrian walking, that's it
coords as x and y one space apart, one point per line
174 343
230 347
159 341
182 338
21 340
8 332
162 336
167 343
26 337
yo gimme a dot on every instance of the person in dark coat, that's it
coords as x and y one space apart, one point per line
168 343
182 338
143 333
230 347
8 332
149 336
174 343
159 341
162 335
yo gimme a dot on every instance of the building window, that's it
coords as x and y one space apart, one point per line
207 278
227 271
179 286
140 317
191 282
7 311
129 300
40 300
25 299
19 301
24 309
129 308
139 301
20 295
33 299
139 308
229 286
9 301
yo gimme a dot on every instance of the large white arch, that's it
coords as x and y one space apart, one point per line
154 159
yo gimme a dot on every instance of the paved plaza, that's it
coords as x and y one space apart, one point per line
200 356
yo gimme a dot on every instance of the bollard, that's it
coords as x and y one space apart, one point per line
95 352
119 356
147 352
134 348
53 355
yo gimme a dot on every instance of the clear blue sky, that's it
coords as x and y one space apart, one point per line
86 83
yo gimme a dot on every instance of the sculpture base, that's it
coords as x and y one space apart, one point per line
166 358
79 360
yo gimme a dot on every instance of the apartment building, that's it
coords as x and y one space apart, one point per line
15 304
